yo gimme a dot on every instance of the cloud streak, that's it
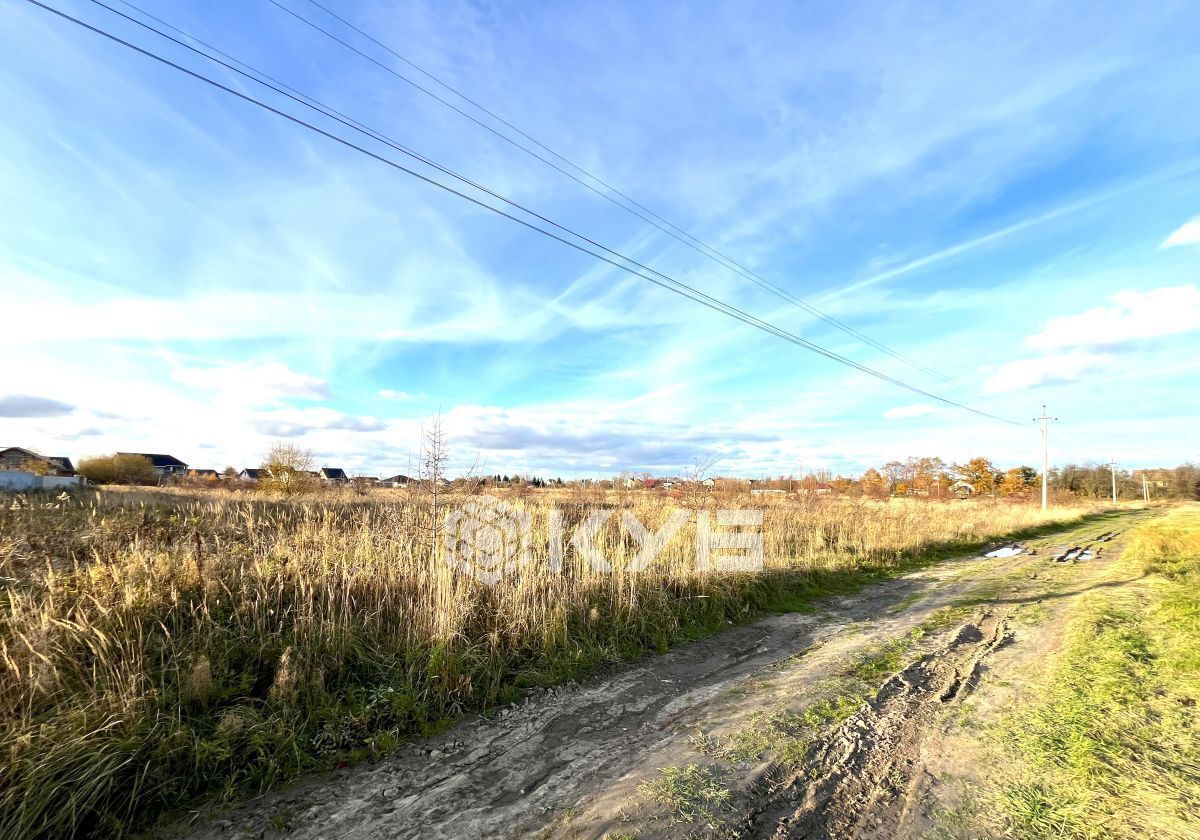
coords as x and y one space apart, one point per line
20 406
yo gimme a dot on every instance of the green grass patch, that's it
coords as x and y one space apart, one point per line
690 793
1111 745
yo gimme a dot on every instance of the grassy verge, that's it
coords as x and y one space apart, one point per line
1111 747
158 649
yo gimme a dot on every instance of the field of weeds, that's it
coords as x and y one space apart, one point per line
157 647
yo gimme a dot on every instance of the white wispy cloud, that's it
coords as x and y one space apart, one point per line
299 422
1076 347
978 242
1054 369
1132 316
252 384
906 411
1186 234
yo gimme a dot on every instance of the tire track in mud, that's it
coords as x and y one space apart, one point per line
858 778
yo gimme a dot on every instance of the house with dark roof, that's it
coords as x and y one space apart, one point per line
19 458
164 465
963 489
332 475
399 480
250 475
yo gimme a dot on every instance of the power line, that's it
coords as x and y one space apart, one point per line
670 283
1072 436
258 76
1064 445
637 209
667 283
351 122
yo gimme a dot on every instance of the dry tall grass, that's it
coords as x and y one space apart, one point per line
158 646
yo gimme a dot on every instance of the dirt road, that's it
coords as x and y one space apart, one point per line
841 723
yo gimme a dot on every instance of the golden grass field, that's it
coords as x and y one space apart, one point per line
161 646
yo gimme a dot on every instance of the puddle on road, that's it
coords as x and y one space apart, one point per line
1006 551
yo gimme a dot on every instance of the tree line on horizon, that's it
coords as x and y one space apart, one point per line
286 468
931 476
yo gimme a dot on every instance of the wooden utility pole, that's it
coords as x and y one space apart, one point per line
1145 489
1113 465
1045 454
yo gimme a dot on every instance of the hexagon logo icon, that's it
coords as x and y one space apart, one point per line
487 538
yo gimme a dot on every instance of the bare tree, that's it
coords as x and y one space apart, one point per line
697 475
473 478
431 472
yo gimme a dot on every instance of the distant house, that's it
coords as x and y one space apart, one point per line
1154 478
203 475
824 488
18 458
250 475
962 489
709 482
399 480
164 465
332 475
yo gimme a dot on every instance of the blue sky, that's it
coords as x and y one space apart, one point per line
1008 194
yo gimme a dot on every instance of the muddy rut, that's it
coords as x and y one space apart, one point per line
573 762
863 769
